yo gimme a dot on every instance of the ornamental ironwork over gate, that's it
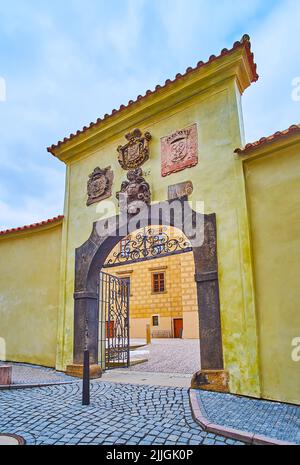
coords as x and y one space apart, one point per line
147 245
114 341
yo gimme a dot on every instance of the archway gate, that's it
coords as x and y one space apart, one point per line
114 297
114 292
89 261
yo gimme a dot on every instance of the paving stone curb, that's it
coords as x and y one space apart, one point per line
36 385
243 436
21 441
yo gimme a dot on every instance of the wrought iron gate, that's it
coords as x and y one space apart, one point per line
114 340
148 245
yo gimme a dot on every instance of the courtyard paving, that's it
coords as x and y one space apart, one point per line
118 414
149 408
169 356
31 374
126 376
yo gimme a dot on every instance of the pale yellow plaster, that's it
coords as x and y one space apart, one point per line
29 283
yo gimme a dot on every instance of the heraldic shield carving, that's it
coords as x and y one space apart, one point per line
179 150
135 193
99 185
136 151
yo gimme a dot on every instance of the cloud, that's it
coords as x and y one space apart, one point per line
199 28
2 89
30 209
66 65
268 105
124 31
22 204
60 90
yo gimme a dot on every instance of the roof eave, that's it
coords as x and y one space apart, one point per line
236 63
278 140
32 228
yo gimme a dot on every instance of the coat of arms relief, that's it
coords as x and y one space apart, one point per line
135 192
136 151
99 186
179 150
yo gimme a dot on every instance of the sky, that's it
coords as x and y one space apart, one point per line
64 64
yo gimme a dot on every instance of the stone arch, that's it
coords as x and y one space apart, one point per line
91 256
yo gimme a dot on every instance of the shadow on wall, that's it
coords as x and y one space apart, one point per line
2 349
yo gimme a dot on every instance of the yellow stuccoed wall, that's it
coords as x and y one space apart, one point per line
29 286
217 179
273 191
256 202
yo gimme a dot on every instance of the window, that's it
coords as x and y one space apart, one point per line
125 279
124 286
158 282
155 321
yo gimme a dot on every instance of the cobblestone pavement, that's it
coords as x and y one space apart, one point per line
169 356
32 374
118 414
272 419
125 376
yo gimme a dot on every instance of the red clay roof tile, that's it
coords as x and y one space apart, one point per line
244 42
294 129
32 226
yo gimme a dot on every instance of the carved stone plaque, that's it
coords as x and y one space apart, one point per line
135 192
179 150
99 185
182 189
136 151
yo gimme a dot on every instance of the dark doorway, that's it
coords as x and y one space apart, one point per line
178 328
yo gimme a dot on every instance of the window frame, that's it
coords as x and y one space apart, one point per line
152 318
153 284
127 278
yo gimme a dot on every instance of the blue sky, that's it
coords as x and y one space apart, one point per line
66 63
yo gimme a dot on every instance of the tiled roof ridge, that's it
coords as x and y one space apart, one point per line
32 226
244 42
295 128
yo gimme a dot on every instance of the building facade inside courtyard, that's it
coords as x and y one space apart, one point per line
163 291
177 148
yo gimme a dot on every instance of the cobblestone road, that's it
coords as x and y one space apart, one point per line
273 419
32 374
169 356
118 414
